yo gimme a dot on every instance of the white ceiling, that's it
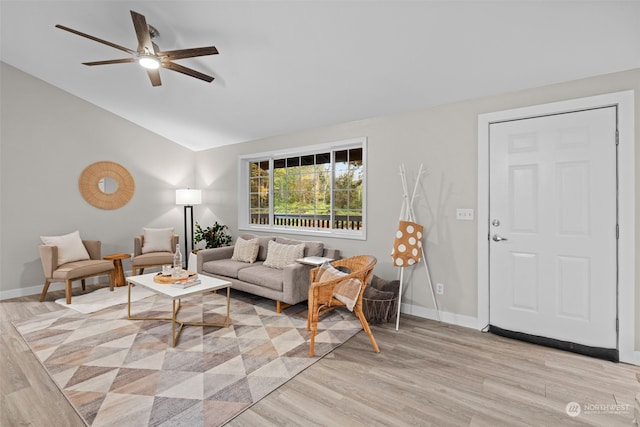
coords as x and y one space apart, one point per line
293 65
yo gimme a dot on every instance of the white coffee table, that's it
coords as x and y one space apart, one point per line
207 284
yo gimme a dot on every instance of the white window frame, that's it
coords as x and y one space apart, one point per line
244 162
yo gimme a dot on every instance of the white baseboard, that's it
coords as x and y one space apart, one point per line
451 318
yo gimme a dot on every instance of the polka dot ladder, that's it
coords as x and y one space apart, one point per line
407 247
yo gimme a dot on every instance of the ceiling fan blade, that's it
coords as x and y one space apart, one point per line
71 30
154 76
188 53
142 32
187 71
110 61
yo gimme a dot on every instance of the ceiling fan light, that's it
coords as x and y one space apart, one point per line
149 62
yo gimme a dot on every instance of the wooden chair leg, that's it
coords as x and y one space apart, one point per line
365 326
112 279
44 290
313 340
68 291
84 285
314 313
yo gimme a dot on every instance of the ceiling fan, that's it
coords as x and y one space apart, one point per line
149 55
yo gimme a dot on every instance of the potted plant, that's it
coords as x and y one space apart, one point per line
215 235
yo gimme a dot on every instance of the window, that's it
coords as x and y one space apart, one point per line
314 190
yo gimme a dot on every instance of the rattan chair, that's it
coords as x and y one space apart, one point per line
321 294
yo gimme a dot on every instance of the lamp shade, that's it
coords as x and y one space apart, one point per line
188 197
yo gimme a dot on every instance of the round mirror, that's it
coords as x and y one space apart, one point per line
106 185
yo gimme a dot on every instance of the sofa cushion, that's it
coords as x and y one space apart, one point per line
225 267
263 276
245 250
70 247
153 258
310 248
279 256
83 268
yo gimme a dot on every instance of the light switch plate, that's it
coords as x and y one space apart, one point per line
464 214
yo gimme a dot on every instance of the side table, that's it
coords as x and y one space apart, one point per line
118 279
316 261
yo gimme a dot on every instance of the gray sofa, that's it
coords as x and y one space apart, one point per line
287 286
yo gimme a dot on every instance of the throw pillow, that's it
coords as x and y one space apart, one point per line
157 240
385 285
245 250
346 291
375 294
328 272
279 256
70 247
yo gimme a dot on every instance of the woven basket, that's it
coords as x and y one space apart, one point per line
379 310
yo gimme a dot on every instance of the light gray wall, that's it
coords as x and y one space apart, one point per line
48 137
444 140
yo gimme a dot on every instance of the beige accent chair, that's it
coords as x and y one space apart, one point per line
322 299
74 270
151 259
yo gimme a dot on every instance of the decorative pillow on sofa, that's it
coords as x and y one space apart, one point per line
245 250
279 256
346 291
70 247
157 240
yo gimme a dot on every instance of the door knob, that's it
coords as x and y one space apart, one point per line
497 238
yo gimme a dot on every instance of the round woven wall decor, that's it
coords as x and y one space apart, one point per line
89 185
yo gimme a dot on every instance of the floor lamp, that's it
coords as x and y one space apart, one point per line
188 197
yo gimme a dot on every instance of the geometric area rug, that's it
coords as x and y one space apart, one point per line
118 372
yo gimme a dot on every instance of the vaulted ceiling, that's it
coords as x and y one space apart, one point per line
286 66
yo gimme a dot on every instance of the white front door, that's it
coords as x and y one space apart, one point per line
552 227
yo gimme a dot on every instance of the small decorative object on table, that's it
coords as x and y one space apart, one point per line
167 270
186 283
167 280
177 262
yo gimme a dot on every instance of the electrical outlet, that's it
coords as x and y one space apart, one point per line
440 288
464 214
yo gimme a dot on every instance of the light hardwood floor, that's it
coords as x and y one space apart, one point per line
427 373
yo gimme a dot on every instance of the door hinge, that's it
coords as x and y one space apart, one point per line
617 325
617 231
617 137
